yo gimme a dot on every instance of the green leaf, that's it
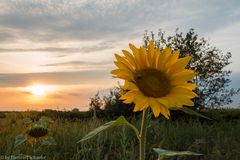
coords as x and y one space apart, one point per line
162 153
48 141
191 112
20 139
45 121
118 122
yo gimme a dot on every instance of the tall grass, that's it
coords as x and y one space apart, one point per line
217 140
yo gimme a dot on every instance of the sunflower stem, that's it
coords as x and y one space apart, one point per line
142 140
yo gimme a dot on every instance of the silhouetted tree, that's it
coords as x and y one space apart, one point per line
75 110
95 104
208 62
115 106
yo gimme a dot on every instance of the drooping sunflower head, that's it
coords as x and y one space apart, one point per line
37 131
154 78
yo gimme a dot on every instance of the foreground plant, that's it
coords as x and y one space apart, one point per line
36 133
155 80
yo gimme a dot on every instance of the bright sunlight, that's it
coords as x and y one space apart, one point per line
39 90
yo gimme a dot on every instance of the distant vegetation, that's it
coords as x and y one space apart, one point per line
2 115
216 114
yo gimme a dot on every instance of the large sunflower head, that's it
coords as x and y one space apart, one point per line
155 79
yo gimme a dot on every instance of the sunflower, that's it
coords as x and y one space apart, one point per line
155 79
36 132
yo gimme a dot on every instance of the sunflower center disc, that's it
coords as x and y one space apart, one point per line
152 82
38 132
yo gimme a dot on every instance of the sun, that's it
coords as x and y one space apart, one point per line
39 90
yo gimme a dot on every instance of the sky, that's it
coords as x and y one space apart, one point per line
66 47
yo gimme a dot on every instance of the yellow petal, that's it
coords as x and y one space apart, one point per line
145 106
156 58
136 108
173 59
129 100
120 71
183 72
158 108
168 53
136 55
163 101
183 91
164 105
128 94
150 53
169 100
130 86
155 107
179 65
151 47
140 105
122 66
164 111
183 76
143 57
163 57
138 97
160 61
129 57
173 102
189 86
183 100
123 74
126 84
125 61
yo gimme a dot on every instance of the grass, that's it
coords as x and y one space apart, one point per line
218 139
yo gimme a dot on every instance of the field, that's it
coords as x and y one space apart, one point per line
216 139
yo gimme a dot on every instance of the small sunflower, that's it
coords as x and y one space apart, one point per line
155 79
36 133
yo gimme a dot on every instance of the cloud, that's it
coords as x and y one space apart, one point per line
6 36
50 21
56 78
98 47
80 63
61 21
75 94
48 49
84 49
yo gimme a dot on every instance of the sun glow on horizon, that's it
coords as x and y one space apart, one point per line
39 90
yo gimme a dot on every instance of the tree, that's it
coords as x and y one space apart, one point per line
110 105
95 104
115 106
75 110
208 62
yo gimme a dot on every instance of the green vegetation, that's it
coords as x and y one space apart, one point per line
216 139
